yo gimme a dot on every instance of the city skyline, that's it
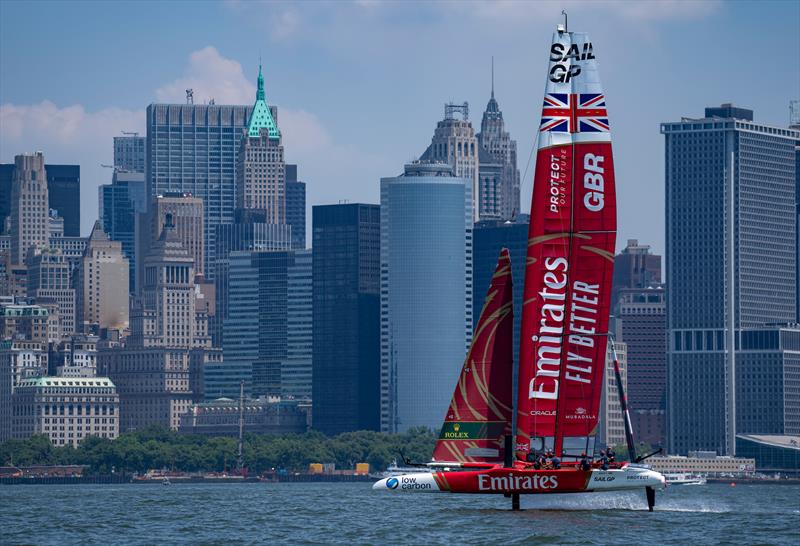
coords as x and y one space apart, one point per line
310 47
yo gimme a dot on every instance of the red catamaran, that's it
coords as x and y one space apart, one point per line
563 340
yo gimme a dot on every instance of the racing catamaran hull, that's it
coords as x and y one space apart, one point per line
524 481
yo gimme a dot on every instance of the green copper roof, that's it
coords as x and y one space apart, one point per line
261 118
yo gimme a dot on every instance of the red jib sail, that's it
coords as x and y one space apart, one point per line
570 259
479 416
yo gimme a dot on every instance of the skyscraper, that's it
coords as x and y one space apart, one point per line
101 284
426 291
296 207
63 183
241 236
120 202
29 208
129 153
186 212
731 267
64 195
260 168
498 175
193 149
489 236
454 142
255 334
49 279
296 368
162 363
346 323
639 319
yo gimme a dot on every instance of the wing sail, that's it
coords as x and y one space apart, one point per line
570 258
479 416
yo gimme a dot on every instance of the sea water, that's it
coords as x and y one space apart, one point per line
351 513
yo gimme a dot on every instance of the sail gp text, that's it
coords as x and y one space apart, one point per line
411 483
511 482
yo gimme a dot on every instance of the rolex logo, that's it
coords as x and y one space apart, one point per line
456 427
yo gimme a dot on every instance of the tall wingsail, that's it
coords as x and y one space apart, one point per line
570 259
479 416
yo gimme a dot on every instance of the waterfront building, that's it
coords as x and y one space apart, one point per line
636 267
101 284
454 142
65 409
23 358
31 322
63 184
426 291
498 175
186 212
489 237
194 149
120 203
29 210
261 416
64 195
49 279
346 322
130 153
611 424
705 463
771 452
296 207
731 263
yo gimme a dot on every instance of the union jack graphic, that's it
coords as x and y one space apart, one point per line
574 113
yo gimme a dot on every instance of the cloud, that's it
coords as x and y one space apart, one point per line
211 76
72 134
515 11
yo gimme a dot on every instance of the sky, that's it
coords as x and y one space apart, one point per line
360 85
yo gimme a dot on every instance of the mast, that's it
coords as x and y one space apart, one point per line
623 402
240 458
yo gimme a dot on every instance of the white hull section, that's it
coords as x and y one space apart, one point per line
500 480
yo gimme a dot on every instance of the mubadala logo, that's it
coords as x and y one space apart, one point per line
392 483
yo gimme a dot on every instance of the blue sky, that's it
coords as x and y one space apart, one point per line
360 85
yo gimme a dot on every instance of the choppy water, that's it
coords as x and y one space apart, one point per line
353 513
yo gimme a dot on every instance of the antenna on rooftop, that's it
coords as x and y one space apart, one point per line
450 109
794 114
190 96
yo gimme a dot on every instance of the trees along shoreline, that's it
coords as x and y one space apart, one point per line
157 447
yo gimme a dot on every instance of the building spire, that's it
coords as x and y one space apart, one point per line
261 118
260 94
492 76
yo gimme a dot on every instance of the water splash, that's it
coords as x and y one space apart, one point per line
627 500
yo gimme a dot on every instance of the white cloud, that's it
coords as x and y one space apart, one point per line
515 11
211 76
71 134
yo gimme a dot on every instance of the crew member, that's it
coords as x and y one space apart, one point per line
603 460
585 465
611 455
556 462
